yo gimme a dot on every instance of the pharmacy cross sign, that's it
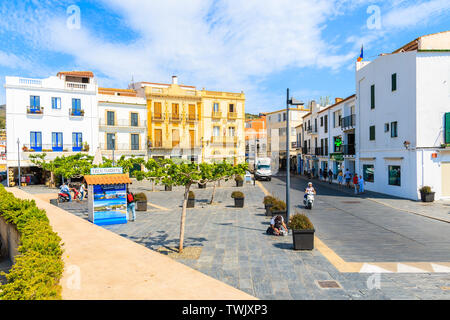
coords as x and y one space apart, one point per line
338 142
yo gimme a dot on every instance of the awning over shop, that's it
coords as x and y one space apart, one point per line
108 179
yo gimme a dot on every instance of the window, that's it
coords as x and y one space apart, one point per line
157 110
110 118
175 110
36 141
279 117
35 102
321 121
57 141
394 175
386 127
76 106
447 127
372 97
216 107
56 103
326 123
191 112
372 133
369 172
231 107
284 116
134 118
111 141
216 131
394 82
282 131
158 138
134 141
77 141
394 129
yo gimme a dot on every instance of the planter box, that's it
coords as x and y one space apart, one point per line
280 213
268 212
54 202
427 197
239 183
303 239
239 202
190 203
202 186
141 205
168 188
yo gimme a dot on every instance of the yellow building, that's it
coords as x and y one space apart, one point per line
191 124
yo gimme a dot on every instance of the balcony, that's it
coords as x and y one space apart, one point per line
123 123
175 117
35 110
348 122
191 118
158 117
122 148
232 115
311 129
349 150
216 115
76 112
52 148
76 86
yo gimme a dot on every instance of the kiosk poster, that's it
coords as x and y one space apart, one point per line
110 204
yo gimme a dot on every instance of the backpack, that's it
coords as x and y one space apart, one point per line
130 197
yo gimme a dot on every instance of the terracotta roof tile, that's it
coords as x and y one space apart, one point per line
76 73
107 179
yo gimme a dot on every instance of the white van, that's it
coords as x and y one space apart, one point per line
263 169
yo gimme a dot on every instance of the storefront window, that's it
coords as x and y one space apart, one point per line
369 172
394 175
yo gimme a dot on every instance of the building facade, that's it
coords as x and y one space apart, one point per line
255 139
57 116
122 123
403 118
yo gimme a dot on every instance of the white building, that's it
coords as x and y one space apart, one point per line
57 115
403 122
122 117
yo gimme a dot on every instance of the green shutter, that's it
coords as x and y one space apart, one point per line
372 133
372 97
394 82
447 127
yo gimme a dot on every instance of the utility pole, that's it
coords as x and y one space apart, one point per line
288 164
18 160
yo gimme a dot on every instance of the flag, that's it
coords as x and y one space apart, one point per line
361 56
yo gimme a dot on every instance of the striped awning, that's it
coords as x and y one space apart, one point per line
108 179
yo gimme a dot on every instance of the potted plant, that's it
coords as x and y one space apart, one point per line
426 195
268 203
85 147
141 201
302 232
239 181
202 185
191 200
238 199
279 209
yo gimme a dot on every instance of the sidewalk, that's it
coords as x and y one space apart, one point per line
438 210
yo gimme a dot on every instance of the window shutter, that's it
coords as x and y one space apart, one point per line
372 133
394 82
447 127
372 97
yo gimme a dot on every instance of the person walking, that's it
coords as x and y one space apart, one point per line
330 176
340 178
355 183
325 174
131 206
347 177
361 183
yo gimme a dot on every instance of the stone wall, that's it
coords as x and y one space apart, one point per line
10 240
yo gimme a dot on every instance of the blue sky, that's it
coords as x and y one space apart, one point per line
258 46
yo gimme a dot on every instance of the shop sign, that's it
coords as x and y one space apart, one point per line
106 171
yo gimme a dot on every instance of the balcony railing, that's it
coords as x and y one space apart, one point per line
232 115
311 129
76 86
175 117
349 121
52 148
35 110
349 150
76 112
123 123
158 117
191 117
122 147
216 115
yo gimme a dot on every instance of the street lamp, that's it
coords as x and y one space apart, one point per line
292 102
18 158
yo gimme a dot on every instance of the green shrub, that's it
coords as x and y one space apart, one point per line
300 222
140 196
191 195
425 189
238 178
278 205
269 200
237 194
39 266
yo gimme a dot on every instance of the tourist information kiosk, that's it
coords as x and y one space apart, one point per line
107 195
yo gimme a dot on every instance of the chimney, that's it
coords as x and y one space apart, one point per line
174 80
337 100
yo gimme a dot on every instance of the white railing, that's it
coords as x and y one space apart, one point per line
30 82
75 85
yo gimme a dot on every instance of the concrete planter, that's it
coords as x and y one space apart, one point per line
303 239
54 202
427 197
141 205
167 188
190 203
239 183
239 202
268 212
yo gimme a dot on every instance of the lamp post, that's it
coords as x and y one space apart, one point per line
289 102
18 159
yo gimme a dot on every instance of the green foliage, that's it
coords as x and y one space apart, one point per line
300 222
237 194
39 267
140 196
191 195
425 189
269 200
278 205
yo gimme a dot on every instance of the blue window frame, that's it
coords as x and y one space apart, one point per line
36 141
77 141
35 103
76 107
57 141
56 103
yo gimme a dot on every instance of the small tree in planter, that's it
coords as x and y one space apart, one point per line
426 194
141 201
279 209
302 232
239 181
268 203
191 200
238 199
